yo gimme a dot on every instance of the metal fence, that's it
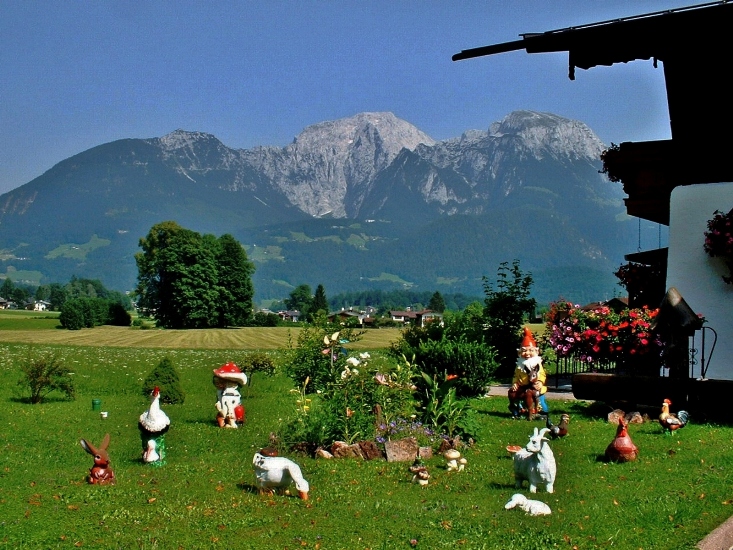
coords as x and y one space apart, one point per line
566 367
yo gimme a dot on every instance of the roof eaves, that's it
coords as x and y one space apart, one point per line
622 40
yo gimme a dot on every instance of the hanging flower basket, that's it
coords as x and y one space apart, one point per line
719 240
634 276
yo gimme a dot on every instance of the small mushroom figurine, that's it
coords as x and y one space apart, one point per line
452 457
227 380
420 473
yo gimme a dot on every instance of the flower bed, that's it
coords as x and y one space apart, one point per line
602 335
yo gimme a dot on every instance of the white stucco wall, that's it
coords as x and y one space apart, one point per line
698 276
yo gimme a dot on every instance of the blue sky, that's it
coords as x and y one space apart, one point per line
76 74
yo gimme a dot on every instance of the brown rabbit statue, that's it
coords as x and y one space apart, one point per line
100 473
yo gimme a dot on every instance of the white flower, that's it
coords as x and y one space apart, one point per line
353 361
365 355
346 372
355 372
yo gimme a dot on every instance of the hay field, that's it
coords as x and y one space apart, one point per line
264 338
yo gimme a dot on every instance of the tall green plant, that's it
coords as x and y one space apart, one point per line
318 354
506 306
442 408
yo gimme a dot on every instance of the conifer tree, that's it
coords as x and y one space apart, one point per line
165 376
320 302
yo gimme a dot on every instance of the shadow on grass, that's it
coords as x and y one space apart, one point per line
277 493
501 486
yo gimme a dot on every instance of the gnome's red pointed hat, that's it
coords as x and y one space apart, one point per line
528 340
231 372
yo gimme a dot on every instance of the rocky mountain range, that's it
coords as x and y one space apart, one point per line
363 202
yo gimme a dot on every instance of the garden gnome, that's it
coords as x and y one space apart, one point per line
528 384
227 380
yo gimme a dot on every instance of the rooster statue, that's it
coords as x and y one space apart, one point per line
153 425
622 449
561 430
671 422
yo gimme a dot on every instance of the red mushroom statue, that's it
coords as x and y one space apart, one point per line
227 380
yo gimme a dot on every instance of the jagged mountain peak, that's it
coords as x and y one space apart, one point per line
179 139
547 133
393 132
330 166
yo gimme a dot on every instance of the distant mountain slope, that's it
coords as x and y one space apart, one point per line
366 201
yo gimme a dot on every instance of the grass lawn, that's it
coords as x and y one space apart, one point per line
678 491
28 320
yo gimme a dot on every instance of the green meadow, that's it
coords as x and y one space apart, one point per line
679 489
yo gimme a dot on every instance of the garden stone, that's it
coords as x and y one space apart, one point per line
454 443
401 450
341 449
614 415
323 453
425 453
370 450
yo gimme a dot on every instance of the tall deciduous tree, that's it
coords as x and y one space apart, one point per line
300 299
152 287
7 288
186 280
190 276
235 282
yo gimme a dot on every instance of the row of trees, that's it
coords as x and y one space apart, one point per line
308 304
386 300
58 294
301 299
78 313
189 280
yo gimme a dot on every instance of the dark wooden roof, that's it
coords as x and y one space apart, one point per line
654 35
695 47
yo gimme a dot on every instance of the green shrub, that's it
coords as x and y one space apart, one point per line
414 335
44 374
473 363
262 319
72 315
257 362
165 376
118 316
